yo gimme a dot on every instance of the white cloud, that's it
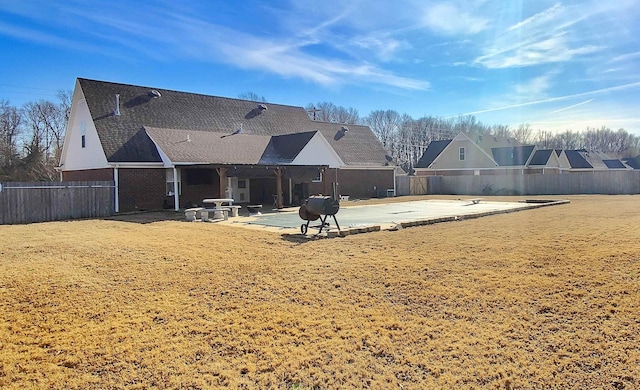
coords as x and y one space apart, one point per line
535 88
449 19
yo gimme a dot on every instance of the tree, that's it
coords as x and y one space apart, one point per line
10 119
44 126
252 96
329 112
385 125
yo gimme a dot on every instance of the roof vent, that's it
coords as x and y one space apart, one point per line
262 107
344 129
117 110
154 93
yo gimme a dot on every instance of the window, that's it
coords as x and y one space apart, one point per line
83 133
462 154
317 179
169 175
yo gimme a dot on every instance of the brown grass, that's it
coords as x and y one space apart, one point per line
545 298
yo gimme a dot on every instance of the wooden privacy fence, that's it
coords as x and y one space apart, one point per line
25 202
598 182
412 185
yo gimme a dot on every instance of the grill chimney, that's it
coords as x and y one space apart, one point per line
117 110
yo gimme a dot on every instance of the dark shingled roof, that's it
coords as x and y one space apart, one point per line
283 149
614 164
576 160
206 147
433 151
633 162
124 138
512 155
541 157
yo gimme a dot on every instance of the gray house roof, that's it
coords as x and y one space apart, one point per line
541 157
433 150
513 155
147 113
577 160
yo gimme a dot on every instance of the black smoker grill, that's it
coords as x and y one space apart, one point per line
316 206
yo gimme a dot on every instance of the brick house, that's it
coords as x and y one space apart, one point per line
171 149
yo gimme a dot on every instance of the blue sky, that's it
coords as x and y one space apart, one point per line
556 65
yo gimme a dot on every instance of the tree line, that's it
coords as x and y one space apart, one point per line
407 138
31 138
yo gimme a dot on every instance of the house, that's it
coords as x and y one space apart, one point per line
474 154
171 149
478 154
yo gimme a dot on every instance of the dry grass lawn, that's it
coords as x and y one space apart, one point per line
545 298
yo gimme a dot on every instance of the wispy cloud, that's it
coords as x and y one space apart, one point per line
572 106
559 98
546 37
450 19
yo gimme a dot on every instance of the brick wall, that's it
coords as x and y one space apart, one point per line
88 175
363 183
193 194
142 189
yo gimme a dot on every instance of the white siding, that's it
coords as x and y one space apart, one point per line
318 152
74 156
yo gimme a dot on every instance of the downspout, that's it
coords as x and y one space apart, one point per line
290 191
116 189
176 196
394 182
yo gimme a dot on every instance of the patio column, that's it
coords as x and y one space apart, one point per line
176 190
279 188
222 173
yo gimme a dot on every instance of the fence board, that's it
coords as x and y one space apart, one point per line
598 182
26 202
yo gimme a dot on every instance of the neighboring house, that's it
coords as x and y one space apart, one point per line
473 154
172 149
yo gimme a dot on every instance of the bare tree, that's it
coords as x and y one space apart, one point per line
329 112
524 134
385 125
44 124
252 96
10 119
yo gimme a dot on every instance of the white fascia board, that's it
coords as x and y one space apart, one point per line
318 151
136 165
369 167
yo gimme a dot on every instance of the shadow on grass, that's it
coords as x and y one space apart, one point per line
144 217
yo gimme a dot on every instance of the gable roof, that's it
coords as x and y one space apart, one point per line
513 155
576 159
145 115
614 164
433 150
205 147
541 157
633 162
285 148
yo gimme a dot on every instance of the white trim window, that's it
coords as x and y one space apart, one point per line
169 176
462 153
83 134
317 179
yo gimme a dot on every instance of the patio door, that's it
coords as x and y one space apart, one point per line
240 190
